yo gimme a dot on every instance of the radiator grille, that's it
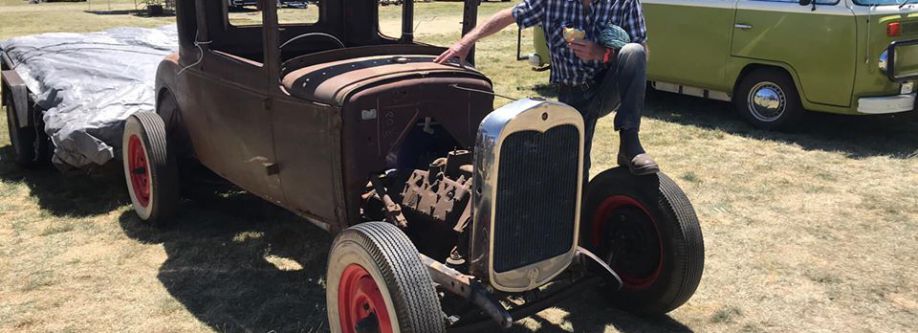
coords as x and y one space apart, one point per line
536 197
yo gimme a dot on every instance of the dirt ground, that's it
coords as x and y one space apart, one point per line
815 231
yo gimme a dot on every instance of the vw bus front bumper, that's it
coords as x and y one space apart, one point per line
886 104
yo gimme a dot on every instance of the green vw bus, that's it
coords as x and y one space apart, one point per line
776 58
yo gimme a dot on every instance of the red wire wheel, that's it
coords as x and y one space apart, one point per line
636 253
377 283
139 170
150 170
646 230
360 303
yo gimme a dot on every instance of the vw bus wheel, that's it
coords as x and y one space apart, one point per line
768 99
150 170
646 230
377 283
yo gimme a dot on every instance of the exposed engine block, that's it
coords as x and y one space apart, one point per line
442 192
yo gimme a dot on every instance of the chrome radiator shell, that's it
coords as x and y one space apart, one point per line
525 115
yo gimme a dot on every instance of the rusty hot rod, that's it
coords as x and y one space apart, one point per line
449 215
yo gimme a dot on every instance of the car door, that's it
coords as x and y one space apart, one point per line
689 41
230 122
232 97
818 45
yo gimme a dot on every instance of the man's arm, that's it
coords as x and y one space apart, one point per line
494 24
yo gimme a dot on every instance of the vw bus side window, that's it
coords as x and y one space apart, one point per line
242 13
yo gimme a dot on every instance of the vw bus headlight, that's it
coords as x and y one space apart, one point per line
907 88
884 61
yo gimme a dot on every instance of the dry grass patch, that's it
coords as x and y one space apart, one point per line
813 231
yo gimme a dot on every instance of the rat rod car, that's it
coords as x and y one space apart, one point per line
481 217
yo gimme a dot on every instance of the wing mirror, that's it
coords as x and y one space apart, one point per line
808 2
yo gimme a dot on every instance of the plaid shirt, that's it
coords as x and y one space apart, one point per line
555 15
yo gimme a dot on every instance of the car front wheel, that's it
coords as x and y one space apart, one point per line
377 283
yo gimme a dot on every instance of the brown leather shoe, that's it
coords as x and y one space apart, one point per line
640 164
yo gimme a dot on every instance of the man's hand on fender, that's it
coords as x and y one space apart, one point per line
587 50
459 50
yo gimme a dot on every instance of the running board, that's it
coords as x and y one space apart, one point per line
691 91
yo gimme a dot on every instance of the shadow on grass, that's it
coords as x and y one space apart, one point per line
895 136
219 266
115 12
62 195
589 313
135 12
546 90
238 263
220 252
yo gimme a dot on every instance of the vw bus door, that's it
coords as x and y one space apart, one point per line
818 45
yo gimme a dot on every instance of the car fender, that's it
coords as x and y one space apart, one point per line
167 88
166 74
738 67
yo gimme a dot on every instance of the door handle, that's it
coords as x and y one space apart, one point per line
742 26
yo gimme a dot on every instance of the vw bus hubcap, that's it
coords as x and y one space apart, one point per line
767 101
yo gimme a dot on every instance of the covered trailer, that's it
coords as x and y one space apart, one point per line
69 93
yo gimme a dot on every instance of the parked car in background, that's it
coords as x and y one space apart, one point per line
776 58
254 3
241 3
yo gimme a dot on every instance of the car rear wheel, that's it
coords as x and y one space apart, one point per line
150 169
645 228
377 283
768 99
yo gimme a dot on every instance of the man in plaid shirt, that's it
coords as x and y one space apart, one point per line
592 78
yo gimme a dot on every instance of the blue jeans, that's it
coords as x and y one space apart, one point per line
622 86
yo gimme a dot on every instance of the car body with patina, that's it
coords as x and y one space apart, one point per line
444 209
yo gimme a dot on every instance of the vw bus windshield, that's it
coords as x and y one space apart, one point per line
882 2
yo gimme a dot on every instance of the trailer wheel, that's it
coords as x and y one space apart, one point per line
150 169
768 99
31 147
646 230
377 283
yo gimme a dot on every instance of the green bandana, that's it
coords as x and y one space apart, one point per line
613 36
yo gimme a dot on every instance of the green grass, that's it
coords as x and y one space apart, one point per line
812 231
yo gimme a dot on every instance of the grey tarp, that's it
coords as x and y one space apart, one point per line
89 83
